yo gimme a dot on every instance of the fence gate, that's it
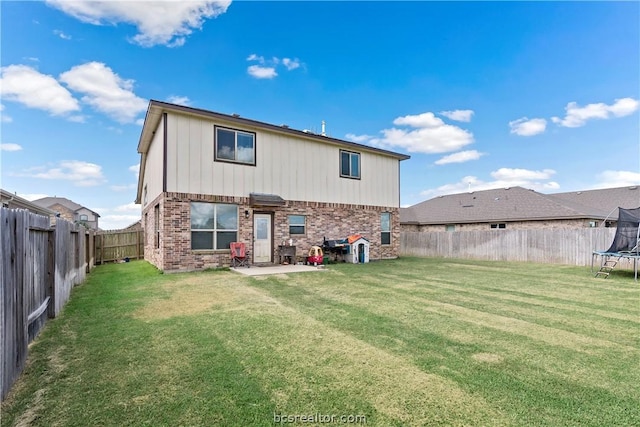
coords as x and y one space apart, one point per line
117 245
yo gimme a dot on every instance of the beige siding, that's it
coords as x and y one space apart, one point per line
293 168
153 167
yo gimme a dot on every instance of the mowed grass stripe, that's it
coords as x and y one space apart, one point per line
512 376
360 293
599 324
311 368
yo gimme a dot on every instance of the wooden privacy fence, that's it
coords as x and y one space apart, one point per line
117 245
549 246
39 264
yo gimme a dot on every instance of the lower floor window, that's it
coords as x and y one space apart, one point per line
213 226
385 226
500 225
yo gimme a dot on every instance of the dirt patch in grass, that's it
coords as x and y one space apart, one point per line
31 414
200 293
487 357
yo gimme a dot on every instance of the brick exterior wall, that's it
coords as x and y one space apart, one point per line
513 225
64 212
330 220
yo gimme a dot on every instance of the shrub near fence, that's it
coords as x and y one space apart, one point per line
549 246
39 265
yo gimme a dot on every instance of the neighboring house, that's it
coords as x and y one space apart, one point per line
136 226
12 201
519 208
70 211
208 179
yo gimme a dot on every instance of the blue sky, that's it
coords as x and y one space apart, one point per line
482 95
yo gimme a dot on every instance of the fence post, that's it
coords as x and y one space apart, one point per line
51 273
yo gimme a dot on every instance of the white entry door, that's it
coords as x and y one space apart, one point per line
262 238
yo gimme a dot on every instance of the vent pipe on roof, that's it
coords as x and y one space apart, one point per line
323 129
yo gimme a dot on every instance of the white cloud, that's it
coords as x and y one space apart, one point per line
32 196
459 157
528 127
129 207
610 179
516 175
502 178
158 22
254 57
180 100
577 116
267 67
3 117
291 64
431 136
10 147
105 91
458 115
29 87
117 222
62 35
83 174
357 138
260 72
135 169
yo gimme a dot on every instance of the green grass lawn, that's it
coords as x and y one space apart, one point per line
410 342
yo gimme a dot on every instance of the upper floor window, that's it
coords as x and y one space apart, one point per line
349 164
499 225
84 217
235 146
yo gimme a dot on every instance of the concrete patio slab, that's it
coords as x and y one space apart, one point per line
275 269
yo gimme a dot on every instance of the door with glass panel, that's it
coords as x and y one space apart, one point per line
262 238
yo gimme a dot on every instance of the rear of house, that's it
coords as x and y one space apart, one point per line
208 179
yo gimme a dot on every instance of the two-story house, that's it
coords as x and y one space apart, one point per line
70 210
208 179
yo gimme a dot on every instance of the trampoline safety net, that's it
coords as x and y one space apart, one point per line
627 232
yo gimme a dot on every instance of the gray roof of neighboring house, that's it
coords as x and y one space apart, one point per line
606 199
14 201
47 202
519 204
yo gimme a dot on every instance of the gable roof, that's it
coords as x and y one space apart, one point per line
605 199
47 202
13 201
508 204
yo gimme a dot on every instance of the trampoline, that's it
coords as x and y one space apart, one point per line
625 243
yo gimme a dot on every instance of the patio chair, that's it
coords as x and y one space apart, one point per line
239 255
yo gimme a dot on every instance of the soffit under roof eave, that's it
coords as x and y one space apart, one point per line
149 128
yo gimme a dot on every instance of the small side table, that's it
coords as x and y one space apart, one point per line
286 253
